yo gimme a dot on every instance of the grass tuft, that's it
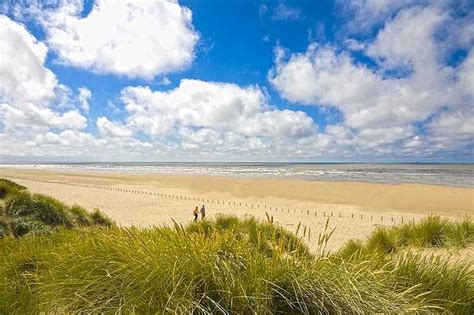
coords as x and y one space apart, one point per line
7 186
23 225
353 248
12 184
382 241
446 285
430 232
23 213
450 286
99 218
4 226
460 234
80 216
260 234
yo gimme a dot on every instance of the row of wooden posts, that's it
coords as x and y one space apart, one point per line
251 205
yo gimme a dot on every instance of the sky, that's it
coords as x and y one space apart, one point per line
237 80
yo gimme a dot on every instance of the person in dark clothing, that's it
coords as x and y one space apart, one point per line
203 212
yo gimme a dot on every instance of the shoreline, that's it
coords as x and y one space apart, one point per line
354 209
119 173
227 170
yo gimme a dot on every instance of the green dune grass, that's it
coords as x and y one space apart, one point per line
7 187
22 212
225 265
430 232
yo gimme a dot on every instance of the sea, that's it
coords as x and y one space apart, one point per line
439 174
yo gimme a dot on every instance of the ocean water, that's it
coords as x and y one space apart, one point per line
442 174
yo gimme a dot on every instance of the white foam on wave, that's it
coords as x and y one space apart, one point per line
447 174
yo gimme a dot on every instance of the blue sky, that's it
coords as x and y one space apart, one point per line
238 80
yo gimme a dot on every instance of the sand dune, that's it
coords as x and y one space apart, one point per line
145 200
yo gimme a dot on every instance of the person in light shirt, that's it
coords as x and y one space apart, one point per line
196 212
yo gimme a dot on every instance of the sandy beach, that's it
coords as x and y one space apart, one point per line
146 200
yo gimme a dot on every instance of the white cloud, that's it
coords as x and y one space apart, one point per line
84 96
23 76
48 143
466 74
379 108
280 124
454 123
320 76
29 114
77 145
129 38
68 138
219 106
30 92
408 40
27 85
449 134
108 128
363 15
215 118
194 103
283 12
355 45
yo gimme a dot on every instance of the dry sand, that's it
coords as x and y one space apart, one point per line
356 208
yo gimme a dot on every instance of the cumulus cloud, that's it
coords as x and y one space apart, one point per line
466 74
196 120
28 114
108 128
455 125
198 104
23 76
381 108
30 94
363 15
74 139
84 96
128 38
213 113
408 40
321 76
28 86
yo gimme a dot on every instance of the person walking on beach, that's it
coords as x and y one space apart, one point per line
196 212
203 212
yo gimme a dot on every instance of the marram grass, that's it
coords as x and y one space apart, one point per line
430 232
83 263
227 265
449 285
22 212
